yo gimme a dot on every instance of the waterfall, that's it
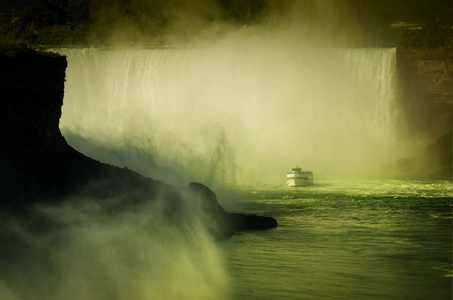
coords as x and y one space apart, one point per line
232 115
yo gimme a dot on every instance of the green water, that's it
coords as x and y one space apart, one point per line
388 239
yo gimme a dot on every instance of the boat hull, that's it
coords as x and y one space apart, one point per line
299 180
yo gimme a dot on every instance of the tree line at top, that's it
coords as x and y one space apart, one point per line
33 19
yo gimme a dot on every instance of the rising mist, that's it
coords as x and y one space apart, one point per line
247 96
234 114
81 249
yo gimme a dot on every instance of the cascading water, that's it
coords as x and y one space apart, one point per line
227 116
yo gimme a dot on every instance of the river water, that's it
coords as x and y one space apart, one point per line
368 239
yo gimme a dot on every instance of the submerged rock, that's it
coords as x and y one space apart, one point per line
37 166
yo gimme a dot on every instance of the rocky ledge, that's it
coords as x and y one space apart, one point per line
37 166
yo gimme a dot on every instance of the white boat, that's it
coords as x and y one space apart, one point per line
297 177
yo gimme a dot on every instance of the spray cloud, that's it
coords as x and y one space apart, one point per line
84 249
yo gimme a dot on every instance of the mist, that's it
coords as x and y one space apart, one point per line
229 115
82 249
183 22
237 92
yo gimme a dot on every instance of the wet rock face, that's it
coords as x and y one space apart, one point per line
31 96
426 81
31 89
426 101
434 67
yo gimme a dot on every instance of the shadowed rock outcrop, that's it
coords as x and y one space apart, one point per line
37 165
425 78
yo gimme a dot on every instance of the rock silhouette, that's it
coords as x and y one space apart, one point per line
37 166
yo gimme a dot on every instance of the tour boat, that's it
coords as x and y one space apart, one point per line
297 177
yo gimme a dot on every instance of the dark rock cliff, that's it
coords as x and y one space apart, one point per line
426 78
426 100
38 166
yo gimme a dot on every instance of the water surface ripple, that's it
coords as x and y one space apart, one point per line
381 239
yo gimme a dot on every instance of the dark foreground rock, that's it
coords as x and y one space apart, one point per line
37 166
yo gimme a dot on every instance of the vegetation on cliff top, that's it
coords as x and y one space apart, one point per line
65 22
22 50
